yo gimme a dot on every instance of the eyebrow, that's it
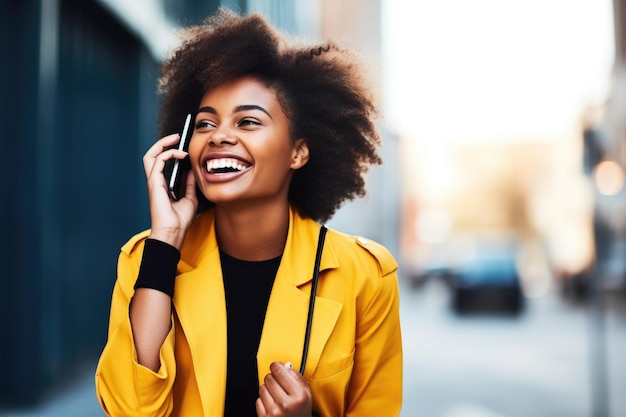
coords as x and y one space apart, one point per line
244 107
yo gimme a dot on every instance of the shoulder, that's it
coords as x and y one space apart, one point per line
130 247
200 228
365 252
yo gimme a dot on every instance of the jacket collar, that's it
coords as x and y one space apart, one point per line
303 233
300 249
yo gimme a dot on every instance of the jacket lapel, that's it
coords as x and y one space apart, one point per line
286 316
201 309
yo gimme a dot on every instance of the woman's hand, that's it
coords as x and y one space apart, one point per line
170 219
285 393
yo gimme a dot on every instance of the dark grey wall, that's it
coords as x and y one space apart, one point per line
78 111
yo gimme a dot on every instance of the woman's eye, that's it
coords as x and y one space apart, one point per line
204 124
248 122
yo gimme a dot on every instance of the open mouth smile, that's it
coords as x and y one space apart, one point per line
225 166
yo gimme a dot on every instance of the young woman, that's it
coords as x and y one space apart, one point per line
211 306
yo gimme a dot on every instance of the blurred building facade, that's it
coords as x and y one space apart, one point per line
604 136
79 111
78 100
377 216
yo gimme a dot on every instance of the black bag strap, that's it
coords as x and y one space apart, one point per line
316 272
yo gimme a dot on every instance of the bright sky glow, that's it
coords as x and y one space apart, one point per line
486 69
147 19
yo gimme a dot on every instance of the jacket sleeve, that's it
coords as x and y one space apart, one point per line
123 386
376 384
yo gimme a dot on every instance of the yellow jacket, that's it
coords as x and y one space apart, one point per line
354 362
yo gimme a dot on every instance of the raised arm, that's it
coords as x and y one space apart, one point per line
150 309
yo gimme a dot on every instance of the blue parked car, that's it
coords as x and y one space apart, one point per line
488 282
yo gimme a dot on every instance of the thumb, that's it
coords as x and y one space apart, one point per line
295 374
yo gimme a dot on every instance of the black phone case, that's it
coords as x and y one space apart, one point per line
175 170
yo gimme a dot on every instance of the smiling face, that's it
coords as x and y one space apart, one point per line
241 151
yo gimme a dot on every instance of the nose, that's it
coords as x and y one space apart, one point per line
222 136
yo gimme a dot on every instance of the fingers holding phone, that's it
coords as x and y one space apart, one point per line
161 151
171 186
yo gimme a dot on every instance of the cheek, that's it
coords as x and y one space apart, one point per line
279 147
275 158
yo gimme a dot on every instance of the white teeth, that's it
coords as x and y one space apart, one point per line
213 164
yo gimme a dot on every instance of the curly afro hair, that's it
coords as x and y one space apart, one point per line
321 88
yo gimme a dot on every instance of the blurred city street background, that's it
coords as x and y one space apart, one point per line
502 193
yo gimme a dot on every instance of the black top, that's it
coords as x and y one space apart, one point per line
247 286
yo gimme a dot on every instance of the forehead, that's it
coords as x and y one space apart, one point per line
246 90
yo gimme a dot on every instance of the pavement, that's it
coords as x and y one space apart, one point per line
548 362
77 399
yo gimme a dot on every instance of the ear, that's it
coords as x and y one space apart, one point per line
300 154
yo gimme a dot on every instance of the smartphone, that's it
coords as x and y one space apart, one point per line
175 170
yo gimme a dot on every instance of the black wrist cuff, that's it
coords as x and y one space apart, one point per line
158 267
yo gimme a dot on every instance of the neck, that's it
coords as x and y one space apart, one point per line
252 234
